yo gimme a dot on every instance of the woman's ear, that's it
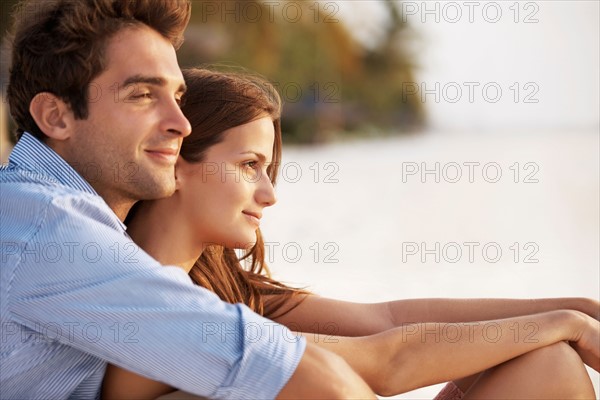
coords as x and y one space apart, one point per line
52 115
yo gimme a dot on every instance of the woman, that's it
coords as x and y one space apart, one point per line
225 179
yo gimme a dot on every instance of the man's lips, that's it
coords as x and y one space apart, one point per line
165 154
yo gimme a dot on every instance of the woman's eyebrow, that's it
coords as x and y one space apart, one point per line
260 156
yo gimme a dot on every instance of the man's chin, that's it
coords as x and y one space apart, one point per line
157 190
162 193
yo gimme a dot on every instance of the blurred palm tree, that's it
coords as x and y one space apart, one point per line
328 80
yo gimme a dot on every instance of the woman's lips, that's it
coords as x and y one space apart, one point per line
254 217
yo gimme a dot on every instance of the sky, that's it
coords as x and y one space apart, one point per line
492 66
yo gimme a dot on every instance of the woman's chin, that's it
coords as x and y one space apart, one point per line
243 244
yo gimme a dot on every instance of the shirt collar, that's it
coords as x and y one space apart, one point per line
33 155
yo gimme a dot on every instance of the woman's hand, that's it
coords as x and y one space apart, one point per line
591 307
587 341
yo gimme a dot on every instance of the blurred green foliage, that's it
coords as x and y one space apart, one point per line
330 82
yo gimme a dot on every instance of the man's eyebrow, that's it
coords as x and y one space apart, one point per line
151 80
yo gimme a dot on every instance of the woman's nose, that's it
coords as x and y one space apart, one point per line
266 192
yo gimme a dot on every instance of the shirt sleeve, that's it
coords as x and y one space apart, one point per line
82 282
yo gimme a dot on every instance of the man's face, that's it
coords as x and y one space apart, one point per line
127 147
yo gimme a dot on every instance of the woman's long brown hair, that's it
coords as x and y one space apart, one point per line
215 102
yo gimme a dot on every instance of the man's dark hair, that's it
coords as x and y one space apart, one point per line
59 46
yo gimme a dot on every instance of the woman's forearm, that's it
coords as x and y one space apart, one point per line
341 318
421 354
438 352
466 310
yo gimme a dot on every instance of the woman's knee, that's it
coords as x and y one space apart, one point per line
561 367
552 372
560 357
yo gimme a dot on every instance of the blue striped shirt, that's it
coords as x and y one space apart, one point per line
76 293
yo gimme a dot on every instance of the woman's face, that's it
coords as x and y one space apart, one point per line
225 194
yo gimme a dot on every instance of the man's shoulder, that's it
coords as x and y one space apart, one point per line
29 182
31 194
30 186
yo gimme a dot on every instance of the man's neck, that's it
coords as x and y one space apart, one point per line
119 204
121 210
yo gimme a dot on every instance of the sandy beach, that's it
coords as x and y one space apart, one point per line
513 214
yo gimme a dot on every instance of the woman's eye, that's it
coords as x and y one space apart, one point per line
250 164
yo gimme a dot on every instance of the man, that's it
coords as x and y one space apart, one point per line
94 89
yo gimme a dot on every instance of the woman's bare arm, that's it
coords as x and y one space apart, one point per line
334 317
466 310
417 355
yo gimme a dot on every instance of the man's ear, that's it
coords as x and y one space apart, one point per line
52 115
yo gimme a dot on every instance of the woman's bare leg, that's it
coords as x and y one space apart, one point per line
465 383
552 372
